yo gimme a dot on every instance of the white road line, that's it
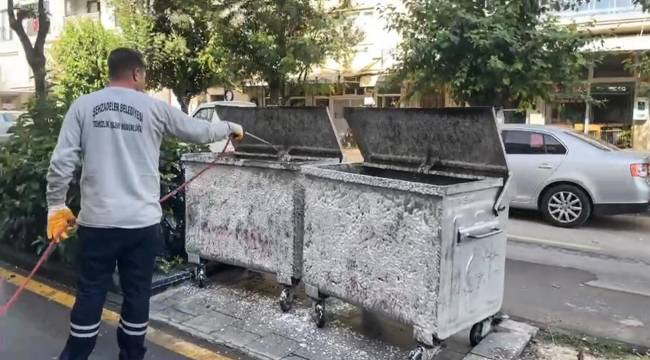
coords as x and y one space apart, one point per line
535 240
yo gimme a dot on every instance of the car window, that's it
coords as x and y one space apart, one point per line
553 146
205 114
8 117
530 142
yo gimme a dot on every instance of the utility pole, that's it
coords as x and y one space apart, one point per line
588 100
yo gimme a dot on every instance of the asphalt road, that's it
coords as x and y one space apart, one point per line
36 328
594 280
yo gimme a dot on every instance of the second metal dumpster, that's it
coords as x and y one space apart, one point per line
248 209
416 232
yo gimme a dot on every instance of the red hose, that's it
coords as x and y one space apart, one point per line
46 254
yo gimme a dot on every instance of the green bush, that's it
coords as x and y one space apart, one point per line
171 177
24 161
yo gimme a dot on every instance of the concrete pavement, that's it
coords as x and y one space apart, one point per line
240 309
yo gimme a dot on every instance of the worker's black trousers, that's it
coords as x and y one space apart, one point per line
133 251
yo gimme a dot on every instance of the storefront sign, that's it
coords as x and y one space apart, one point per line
641 109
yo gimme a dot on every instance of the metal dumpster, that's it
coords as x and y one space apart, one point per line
248 209
416 232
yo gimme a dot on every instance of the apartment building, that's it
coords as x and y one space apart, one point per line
16 83
620 113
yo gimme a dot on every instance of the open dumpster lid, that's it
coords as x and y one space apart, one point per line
296 131
438 139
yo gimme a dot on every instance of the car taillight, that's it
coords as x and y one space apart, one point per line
639 170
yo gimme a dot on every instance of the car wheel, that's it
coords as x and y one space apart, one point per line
566 206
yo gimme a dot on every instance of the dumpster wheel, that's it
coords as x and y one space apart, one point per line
319 313
200 275
480 330
286 299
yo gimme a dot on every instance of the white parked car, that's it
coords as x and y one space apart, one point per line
568 176
206 112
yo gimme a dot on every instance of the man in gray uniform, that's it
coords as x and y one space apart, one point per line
114 134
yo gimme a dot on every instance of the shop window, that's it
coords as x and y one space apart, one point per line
388 101
322 102
567 112
613 105
296 102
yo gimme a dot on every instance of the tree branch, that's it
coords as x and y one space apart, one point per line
17 27
43 26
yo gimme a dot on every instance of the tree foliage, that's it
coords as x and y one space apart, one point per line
24 161
79 59
494 52
181 42
273 40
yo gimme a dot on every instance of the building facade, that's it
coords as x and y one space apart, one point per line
620 31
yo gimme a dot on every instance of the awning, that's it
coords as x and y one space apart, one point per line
619 44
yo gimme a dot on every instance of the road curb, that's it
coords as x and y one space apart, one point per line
506 342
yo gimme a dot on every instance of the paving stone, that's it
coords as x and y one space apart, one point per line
273 346
173 315
459 342
236 337
450 355
195 306
519 327
316 354
210 321
502 345
474 357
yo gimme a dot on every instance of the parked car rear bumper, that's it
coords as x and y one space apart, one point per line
616 209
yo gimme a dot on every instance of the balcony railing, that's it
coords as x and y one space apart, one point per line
603 7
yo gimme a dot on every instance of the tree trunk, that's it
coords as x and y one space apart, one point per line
184 102
183 99
34 53
275 91
40 82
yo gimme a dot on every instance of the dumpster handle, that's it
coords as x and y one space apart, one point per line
467 235
485 235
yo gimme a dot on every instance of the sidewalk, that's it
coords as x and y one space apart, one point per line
239 309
